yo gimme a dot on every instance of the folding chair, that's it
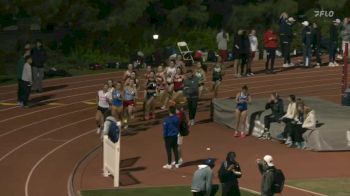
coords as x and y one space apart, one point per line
185 51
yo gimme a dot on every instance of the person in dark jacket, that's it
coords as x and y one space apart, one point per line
244 51
229 173
307 41
286 38
316 43
270 44
235 50
276 105
170 133
191 92
333 42
266 168
39 59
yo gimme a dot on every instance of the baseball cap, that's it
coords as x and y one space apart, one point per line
305 23
291 19
210 162
268 159
337 20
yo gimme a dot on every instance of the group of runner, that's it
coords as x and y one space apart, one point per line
161 87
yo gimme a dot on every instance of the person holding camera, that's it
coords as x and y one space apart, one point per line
229 173
266 168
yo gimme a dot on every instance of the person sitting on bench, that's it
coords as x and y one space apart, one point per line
276 105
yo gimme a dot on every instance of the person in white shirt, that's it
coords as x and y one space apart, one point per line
288 118
306 121
26 82
253 40
104 100
222 39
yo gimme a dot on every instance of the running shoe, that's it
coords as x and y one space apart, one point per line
167 166
236 134
243 135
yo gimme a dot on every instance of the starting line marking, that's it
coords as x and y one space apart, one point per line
8 104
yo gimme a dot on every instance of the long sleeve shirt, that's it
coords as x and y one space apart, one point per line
267 179
291 111
202 180
171 126
310 121
27 73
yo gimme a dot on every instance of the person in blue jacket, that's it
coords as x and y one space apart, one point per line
170 134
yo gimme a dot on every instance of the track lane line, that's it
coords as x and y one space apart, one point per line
26 187
41 135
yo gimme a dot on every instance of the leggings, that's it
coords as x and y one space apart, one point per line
171 145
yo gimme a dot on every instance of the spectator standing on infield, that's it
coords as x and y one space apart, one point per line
253 40
170 134
19 70
307 41
222 38
39 60
229 173
316 43
191 91
286 37
180 113
26 82
333 42
270 44
266 168
202 184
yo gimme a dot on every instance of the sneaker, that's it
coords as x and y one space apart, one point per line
317 66
285 65
20 104
181 161
191 122
163 107
336 64
252 74
167 166
291 65
243 135
288 141
292 145
177 166
331 64
236 134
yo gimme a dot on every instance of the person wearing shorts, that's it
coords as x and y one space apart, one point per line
151 94
103 102
242 100
217 77
117 102
200 74
161 85
178 85
129 102
128 72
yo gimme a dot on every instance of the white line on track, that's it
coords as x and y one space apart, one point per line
304 190
44 120
53 99
41 135
48 154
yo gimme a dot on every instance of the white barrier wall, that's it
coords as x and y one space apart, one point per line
111 159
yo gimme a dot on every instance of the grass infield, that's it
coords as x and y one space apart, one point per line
155 191
331 186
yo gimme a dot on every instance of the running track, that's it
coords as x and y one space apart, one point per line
40 146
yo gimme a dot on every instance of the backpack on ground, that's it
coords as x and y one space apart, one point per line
278 181
113 132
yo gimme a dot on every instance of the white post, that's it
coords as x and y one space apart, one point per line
111 159
117 163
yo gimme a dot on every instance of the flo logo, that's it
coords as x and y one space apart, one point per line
324 13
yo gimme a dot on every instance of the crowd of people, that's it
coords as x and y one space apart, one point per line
246 46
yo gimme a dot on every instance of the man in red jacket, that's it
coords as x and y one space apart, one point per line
270 44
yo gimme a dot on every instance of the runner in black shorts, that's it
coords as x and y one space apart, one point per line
151 94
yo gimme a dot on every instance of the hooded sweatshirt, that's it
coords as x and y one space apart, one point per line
202 180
